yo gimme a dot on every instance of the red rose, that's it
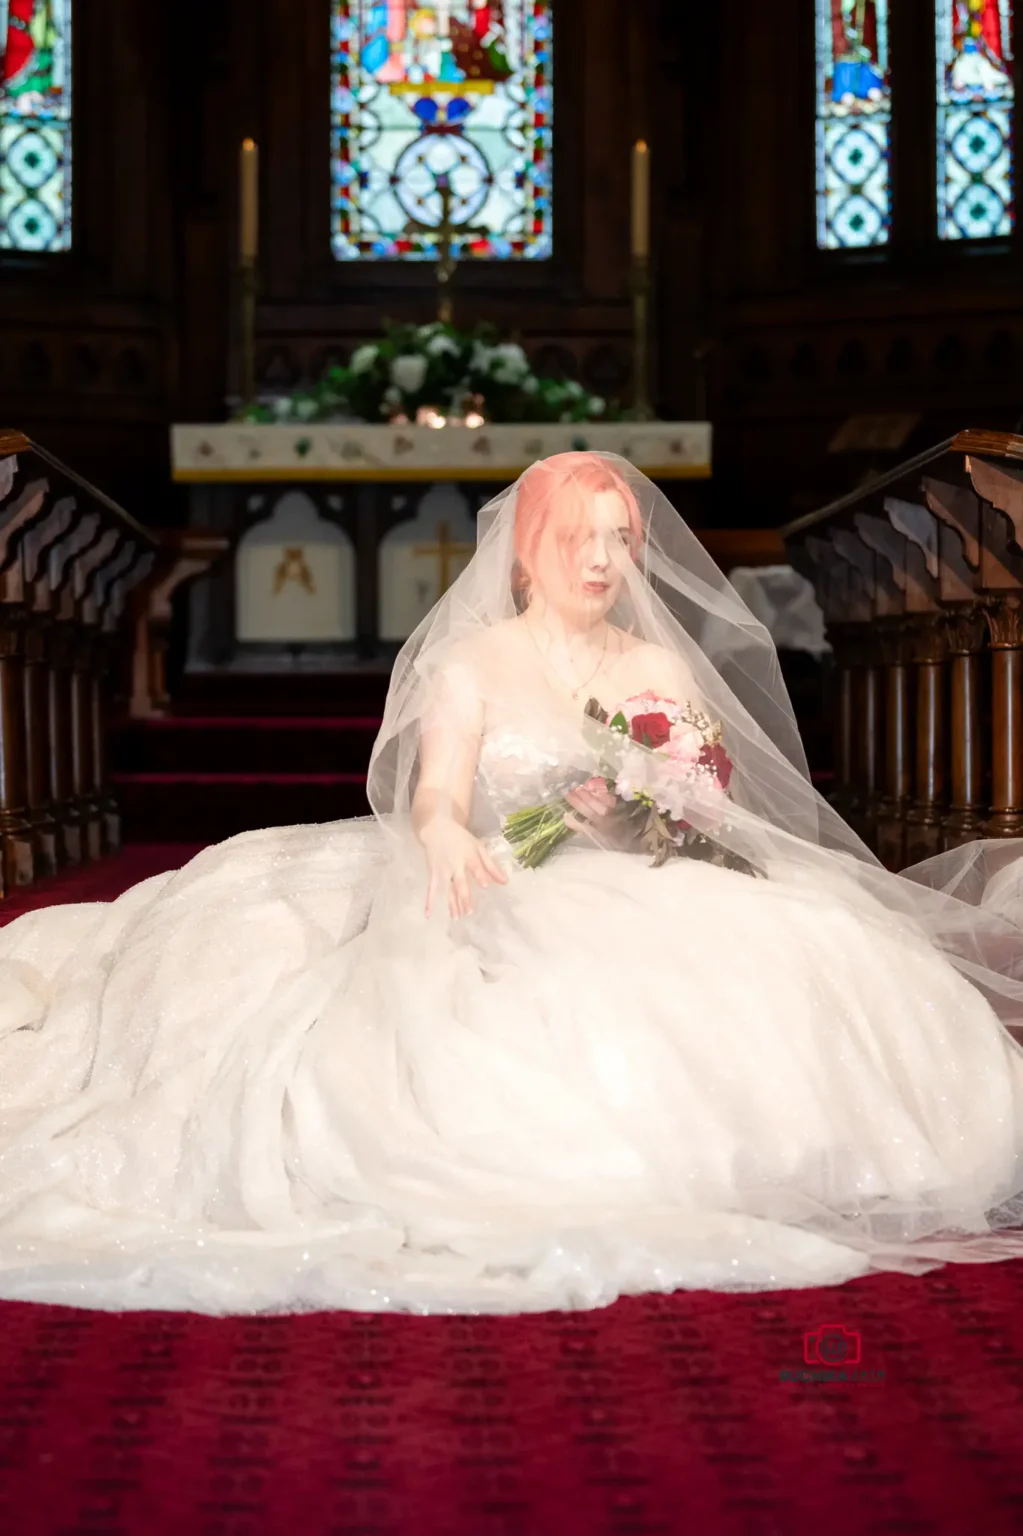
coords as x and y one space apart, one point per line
718 760
651 730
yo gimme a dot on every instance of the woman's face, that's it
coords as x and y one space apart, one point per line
582 573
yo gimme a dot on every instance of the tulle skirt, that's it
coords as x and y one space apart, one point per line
267 1082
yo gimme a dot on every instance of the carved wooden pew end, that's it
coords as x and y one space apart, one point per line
69 557
920 576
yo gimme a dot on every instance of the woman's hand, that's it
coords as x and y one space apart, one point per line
593 801
455 856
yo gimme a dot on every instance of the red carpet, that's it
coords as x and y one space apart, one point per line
101 881
658 1415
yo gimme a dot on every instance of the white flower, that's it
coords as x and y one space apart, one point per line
442 346
574 389
424 332
509 364
596 406
408 372
481 356
670 799
636 771
305 410
363 358
530 384
392 396
281 406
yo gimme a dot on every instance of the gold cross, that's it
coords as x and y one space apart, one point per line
444 233
445 549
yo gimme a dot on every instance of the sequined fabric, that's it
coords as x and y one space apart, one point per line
268 1082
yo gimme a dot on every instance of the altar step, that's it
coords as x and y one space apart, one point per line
247 744
187 807
358 690
201 778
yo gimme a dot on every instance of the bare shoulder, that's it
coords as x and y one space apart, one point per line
480 645
505 631
652 668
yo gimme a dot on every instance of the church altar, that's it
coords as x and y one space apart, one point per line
342 537
360 451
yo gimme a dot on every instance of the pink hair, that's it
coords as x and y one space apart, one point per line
557 491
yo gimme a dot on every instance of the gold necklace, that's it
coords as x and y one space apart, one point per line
575 691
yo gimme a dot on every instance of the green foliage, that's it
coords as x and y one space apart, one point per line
455 371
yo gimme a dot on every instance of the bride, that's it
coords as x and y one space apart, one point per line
394 1063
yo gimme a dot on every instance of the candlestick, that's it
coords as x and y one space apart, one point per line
640 409
248 214
248 249
640 199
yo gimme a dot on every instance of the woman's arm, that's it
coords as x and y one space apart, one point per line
449 744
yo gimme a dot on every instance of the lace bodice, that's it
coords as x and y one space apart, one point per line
516 768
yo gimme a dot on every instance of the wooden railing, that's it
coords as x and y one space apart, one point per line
69 556
920 575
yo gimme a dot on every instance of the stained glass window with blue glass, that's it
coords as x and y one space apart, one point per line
853 124
441 103
35 125
975 97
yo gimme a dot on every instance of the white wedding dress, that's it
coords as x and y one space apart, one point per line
249 1085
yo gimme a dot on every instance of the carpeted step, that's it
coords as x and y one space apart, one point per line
310 744
356 691
207 807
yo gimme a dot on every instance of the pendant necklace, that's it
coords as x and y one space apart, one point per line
577 690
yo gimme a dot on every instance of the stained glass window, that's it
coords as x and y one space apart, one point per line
853 123
441 110
975 107
35 125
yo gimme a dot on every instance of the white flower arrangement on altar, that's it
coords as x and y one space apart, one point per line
436 373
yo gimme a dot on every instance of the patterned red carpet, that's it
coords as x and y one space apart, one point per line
693 1413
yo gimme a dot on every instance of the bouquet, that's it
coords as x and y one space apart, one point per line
667 750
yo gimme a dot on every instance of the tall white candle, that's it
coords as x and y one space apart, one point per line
640 199
248 215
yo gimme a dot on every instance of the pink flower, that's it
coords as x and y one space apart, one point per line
685 744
